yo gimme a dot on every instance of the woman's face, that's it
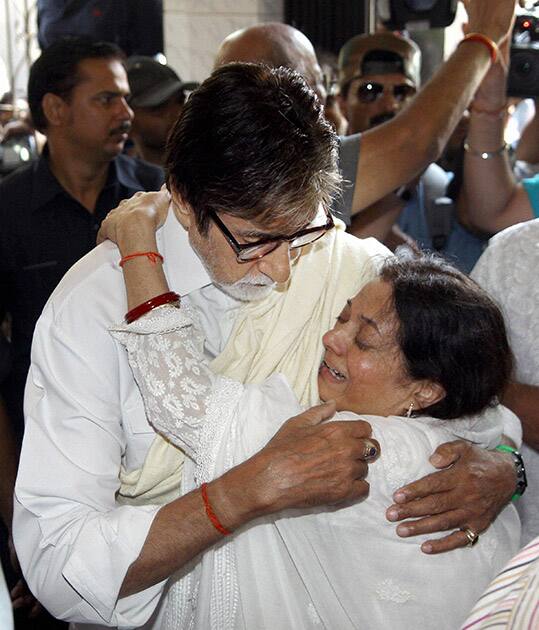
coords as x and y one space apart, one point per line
363 367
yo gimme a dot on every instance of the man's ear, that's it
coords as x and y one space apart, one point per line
54 108
428 393
183 211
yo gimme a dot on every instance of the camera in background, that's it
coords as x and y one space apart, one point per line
523 79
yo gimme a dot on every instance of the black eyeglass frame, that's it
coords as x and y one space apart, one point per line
241 247
412 91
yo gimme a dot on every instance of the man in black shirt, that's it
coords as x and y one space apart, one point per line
50 211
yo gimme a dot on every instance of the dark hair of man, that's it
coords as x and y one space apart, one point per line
450 332
253 142
56 71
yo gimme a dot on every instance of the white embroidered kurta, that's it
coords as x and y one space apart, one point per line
325 568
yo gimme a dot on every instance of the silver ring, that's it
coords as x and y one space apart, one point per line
470 535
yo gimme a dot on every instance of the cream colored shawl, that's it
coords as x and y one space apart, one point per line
282 333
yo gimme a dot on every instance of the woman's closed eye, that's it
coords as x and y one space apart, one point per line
361 344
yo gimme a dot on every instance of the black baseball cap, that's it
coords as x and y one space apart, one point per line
152 83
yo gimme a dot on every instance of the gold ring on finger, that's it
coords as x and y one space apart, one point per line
472 536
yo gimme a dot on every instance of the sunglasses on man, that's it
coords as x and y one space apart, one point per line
371 91
246 252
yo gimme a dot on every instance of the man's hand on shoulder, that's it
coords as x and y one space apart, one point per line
469 491
308 462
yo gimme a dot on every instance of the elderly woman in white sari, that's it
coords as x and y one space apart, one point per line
419 352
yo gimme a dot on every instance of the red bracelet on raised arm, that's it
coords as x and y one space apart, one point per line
159 300
151 256
486 41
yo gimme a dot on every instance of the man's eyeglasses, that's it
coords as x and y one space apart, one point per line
371 91
253 251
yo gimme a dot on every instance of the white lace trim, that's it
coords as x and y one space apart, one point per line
165 350
220 561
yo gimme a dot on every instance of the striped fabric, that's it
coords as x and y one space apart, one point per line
512 599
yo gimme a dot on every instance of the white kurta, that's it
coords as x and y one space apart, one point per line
85 417
324 568
87 436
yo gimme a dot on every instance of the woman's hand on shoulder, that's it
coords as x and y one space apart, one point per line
133 223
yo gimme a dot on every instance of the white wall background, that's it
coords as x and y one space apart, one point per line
195 28
18 45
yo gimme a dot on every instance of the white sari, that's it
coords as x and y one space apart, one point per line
323 568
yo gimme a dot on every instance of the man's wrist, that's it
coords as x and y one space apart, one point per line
237 496
140 238
521 482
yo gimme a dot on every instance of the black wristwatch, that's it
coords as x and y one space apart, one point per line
520 469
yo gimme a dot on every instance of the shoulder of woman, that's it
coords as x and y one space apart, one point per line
405 447
262 409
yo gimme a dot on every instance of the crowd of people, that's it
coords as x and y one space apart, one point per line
294 385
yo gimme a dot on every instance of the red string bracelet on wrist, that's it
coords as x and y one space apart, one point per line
211 514
151 256
486 41
149 305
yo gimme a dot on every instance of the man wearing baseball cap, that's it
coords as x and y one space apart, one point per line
157 98
379 75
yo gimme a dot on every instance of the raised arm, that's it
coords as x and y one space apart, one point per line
491 195
164 346
394 153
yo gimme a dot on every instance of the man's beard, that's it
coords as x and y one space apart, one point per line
248 289
251 288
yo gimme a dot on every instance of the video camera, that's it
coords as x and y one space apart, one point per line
404 14
523 79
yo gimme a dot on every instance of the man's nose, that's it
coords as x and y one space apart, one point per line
276 264
390 102
124 111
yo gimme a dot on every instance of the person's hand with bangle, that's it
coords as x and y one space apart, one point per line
132 226
491 18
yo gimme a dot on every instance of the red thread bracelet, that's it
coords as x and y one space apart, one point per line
486 41
149 305
211 514
151 256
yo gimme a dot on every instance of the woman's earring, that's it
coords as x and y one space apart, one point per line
410 410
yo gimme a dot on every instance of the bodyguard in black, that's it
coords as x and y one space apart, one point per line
50 211
43 232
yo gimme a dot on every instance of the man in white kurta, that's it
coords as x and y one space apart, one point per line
76 528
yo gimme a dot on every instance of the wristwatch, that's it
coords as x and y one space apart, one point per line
520 469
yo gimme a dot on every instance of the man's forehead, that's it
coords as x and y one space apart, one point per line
395 78
101 69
